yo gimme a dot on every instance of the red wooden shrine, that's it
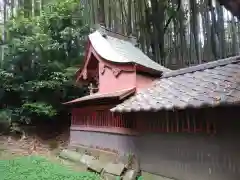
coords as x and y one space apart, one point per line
115 69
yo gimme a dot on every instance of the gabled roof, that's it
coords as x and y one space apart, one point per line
119 49
211 84
119 95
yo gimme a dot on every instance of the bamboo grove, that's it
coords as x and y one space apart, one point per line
175 33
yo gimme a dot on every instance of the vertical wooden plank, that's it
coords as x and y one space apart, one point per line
124 121
94 118
96 123
211 128
101 119
177 121
84 119
114 120
199 120
111 119
88 119
194 122
91 116
78 119
73 119
172 121
81 119
111 116
104 119
118 121
134 122
140 124
121 120
161 123
188 122
144 125
107 119
167 121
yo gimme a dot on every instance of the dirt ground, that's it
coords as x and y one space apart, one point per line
11 147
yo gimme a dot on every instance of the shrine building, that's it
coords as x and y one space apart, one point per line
182 124
115 69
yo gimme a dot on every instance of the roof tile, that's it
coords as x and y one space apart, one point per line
121 50
100 96
210 84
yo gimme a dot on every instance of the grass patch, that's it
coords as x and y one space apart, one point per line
38 168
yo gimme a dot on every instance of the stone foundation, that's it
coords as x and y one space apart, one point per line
178 156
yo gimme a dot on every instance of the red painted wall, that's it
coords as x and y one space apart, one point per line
127 78
115 76
143 81
108 82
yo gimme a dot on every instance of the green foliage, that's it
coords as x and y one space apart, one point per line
5 120
5 116
42 52
38 168
39 109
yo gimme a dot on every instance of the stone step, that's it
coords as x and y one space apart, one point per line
96 166
76 166
70 155
90 162
106 164
130 175
102 155
114 168
86 159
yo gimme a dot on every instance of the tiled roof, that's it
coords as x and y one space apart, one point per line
120 95
211 84
119 49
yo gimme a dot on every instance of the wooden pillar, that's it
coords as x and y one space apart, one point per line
177 121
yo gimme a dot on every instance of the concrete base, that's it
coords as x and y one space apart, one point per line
123 144
179 156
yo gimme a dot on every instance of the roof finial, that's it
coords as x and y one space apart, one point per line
101 29
133 40
101 17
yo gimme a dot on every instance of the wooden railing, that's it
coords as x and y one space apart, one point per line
164 122
104 120
176 122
